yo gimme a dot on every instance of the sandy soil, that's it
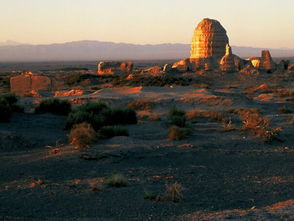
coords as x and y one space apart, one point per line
225 174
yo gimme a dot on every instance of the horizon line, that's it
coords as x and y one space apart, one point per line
102 41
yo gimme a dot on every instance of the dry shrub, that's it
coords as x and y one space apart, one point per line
285 110
82 135
177 117
95 187
149 195
154 117
257 124
215 116
141 104
116 180
54 106
227 125
8 105
178 133
172 193
291 120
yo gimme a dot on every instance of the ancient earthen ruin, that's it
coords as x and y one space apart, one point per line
209 40
210 50
111 68
29 82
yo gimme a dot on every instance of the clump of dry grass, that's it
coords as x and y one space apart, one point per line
141 104
173 193
194 114
285 110
227 125
82 135
177 117
178 133
149 195
257 124
116 180
95 187
291 120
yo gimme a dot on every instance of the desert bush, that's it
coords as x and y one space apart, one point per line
8 105
178 133
258 125
5 111
122 116
54 106
227 125
4 81
285 110
82 135
90 112
179 121
173 192
177 117
291 120
149 195
140 104
76 78
116 180
98 114
214 116
113 131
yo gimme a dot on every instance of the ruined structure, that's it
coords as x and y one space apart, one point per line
266 62
111 68
208 47
263 63
231 62
28 82
209 40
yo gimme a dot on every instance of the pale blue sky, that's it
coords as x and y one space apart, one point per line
257 23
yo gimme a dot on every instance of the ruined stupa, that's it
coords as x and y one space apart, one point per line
227 62
266 62
209 40
230 62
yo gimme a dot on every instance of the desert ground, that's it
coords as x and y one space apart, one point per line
235 164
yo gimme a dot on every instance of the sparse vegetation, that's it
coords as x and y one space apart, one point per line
285 110
257 124
54 106
177 117
76 78
4 82
116 180
113 131
291 120
214 116
149 195
98 114
178 133
227 125
8 105
172 193
82 135
140 104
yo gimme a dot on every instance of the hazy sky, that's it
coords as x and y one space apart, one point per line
257 23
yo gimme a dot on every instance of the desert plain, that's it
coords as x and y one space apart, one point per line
230 157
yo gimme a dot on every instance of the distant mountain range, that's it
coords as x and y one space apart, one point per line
97 50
